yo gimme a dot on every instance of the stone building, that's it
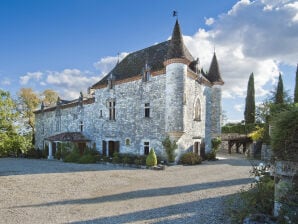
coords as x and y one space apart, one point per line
152 93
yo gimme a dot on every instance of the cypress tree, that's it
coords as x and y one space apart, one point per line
279 95
296 87
250 107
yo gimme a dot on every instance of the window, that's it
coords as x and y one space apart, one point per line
127 142
146 73
147 109
146 148
58 125
100 113
197 110
81 126
42 128
112 111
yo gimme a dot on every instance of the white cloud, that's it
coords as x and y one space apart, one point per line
70 82
106 64
30 76
209 21
239 107
249 39
6 82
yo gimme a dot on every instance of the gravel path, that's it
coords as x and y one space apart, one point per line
42 191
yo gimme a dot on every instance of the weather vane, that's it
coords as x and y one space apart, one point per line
175 13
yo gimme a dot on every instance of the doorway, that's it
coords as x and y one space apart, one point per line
196 148
113 147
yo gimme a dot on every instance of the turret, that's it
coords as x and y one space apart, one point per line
176 63
213 103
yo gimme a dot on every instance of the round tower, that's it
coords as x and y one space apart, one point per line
176 63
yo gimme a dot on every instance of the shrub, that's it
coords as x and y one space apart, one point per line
210 155
151 159
190 158
116 158
87 158
170 148
72 157
285 134
258 199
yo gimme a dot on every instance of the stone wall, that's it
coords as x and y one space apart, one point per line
172 97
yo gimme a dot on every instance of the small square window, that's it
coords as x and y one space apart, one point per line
147 110
146 148
127 142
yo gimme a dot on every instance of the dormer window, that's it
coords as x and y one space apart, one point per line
146 73
111 82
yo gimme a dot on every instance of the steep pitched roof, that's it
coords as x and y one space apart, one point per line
214 74
154 56
177 49
134 63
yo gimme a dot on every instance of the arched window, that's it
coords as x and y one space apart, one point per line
197 110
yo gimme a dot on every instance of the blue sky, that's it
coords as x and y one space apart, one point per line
67 45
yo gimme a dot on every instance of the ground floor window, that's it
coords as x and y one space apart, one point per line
146 148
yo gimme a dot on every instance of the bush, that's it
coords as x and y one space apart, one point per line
87 158
33 154
285 134
210 155
72 157
190 158
151 159
259 199
170 148
116 158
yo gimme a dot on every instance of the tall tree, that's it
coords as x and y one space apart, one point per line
28 102
8 112
296 87
250 107
49 97
279 95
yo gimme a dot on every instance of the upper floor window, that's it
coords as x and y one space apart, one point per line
147 109
111 82
112 110
197 110
146 73
81 126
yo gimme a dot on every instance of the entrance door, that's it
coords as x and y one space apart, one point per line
196 148
113 147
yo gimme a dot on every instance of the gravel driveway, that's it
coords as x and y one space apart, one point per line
42 191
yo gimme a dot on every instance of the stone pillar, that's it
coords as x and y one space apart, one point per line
50 156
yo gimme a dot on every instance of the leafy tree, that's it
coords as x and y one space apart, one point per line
279 95
250 107
49 97
296 87
28 102
11 142
8 112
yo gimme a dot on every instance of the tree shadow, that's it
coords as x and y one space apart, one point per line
148 193
21 166
209 210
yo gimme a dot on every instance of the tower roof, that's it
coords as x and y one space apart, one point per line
177 48
214 74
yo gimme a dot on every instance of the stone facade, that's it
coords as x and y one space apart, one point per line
133 113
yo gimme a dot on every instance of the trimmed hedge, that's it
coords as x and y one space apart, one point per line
190 158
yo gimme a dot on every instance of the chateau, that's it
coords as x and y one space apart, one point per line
152 93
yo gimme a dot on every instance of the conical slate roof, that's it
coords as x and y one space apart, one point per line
177 48
214 74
